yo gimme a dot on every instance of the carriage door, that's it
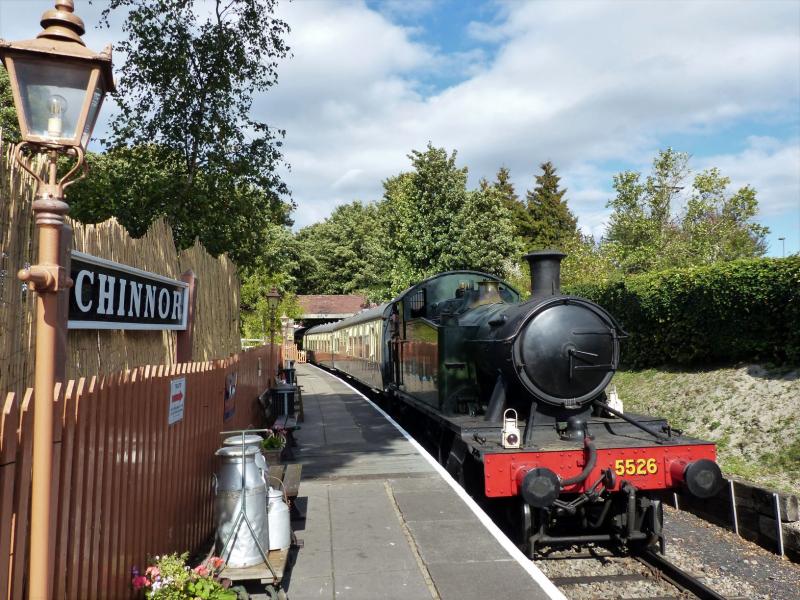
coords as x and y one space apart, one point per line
396 343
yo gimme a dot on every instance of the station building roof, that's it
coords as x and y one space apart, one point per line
326 307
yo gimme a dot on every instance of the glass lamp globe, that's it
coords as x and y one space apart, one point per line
57 82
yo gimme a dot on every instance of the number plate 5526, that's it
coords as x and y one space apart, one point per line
636 466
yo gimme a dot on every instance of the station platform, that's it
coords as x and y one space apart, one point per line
383 520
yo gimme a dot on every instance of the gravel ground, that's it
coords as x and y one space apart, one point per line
568 563
730 565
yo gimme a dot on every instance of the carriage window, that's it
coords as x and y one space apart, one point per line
416 304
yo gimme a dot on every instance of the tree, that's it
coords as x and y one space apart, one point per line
641 233
344 254
519 215
185 96
550 222
421 206
9 125
486 239
717 226
432 223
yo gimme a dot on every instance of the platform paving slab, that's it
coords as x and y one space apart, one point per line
380 521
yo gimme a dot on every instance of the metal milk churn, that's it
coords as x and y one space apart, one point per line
234 541
280 532
250 439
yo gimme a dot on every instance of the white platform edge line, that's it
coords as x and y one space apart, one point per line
536 574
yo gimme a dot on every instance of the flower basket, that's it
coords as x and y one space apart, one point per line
273 457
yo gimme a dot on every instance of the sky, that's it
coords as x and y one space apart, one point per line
595 87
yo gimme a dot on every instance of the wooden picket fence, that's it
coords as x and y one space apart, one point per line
126 485
290 352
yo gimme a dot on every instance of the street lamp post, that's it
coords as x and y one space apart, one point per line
58 86
273 299
783 246
285 332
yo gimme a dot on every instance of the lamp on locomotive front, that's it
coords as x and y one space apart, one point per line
58 86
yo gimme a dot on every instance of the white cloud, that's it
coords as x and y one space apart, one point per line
584 84
574 82
770 166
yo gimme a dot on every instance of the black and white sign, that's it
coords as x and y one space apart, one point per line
109 295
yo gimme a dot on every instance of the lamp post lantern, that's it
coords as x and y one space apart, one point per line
273 299
286 344
58 85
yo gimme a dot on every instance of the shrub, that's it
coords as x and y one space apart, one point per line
745 310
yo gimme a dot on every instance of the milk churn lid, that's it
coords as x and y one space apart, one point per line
249 439
230 451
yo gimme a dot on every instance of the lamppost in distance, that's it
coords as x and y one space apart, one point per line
273 299
783 246
285 332
58 85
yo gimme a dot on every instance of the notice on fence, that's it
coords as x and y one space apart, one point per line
177 395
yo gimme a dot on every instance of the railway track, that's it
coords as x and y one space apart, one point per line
599 572
595 572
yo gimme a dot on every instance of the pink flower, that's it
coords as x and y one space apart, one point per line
152 572
201 570
216 562
140 581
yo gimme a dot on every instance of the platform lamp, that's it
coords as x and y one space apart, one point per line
58 85
285 330
273 299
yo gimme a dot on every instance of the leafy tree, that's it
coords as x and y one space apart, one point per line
486 239
432 223
641 231
9 125
644 235
550 221
717 225
185 95
344 254
421 206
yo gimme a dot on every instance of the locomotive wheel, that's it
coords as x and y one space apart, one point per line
527 545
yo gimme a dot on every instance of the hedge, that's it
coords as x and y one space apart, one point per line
745 310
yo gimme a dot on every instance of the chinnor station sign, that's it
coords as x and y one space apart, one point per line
108 295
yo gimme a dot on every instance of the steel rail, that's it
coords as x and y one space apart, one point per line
675 575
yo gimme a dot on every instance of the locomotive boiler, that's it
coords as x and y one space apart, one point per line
511 397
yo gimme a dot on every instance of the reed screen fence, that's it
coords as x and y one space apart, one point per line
126 485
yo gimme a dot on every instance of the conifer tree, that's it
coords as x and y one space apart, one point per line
519 216
551 221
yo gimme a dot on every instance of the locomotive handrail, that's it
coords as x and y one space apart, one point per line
656 434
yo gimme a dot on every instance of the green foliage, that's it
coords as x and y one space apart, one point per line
9 124
734 311
434 224
550 223
520 217
184 145
643 235
718 226
344 254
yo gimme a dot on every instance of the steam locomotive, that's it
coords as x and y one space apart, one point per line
512 398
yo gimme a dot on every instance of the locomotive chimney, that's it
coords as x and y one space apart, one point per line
545 272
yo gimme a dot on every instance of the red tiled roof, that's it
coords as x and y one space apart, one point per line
332 304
